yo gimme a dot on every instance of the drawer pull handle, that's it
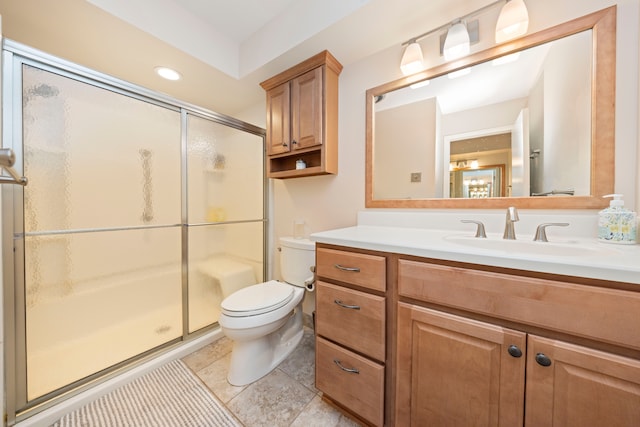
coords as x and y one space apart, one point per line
343 305
350 370
343 268
514 351
543 359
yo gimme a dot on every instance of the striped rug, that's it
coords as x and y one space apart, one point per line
170 396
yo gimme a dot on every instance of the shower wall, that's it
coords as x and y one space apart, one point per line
136 208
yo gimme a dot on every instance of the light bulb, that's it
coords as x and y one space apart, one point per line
513 21
412 60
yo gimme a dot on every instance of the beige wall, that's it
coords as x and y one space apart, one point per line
327 202
332 201
412 127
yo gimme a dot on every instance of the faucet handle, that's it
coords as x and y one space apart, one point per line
480 230
541 233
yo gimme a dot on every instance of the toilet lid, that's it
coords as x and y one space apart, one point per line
257 299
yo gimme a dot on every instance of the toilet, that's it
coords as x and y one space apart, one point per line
265 320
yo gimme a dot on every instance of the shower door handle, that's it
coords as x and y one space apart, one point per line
7 159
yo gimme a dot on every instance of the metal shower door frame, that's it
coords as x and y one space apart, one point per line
14 57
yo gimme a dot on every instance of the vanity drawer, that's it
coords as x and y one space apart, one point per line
352 318
364 270
361 392
608 315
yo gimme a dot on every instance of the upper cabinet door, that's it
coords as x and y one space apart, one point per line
278 114
307 109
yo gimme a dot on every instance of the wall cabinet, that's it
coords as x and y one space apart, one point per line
458 371
302 118
351 331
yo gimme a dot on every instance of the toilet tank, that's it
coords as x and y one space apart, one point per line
297 256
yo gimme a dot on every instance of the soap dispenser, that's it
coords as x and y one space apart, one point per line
617 224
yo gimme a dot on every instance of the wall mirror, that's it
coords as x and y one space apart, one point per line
528 123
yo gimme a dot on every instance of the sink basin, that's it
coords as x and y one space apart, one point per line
529 247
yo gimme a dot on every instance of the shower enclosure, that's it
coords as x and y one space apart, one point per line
134 201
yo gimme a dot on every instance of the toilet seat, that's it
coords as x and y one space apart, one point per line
257 299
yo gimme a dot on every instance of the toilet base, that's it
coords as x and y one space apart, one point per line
253 359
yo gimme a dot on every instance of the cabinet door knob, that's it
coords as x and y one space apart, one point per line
514 351
343 305
543 360
284 144
343 268
294 142
350 370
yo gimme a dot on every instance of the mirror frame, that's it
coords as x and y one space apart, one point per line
603 25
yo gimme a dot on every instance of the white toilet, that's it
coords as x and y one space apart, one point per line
265 320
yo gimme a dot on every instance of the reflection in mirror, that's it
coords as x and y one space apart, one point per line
478 183
537 100
535 112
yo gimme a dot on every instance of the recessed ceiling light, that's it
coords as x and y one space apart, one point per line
168 73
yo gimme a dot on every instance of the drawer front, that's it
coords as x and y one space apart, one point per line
607 315
362 392
352 318
364 270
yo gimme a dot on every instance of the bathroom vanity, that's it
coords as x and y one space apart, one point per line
433 327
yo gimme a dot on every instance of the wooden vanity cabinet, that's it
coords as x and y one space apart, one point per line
488 348
351 323
302 118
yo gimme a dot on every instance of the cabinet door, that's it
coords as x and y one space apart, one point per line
453 371
580 386
278 116
307 109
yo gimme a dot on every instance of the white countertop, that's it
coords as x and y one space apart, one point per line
581 257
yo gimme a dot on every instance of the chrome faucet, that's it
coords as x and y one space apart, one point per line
512 216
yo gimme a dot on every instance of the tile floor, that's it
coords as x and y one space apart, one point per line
285 397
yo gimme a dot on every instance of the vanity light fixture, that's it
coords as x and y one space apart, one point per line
513 21
168 73
457 43
412 60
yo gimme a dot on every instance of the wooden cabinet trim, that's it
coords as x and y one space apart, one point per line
322 58
602 314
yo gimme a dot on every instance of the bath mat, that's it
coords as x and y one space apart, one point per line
169 396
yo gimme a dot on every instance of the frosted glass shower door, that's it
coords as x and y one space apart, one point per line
225 215
102 228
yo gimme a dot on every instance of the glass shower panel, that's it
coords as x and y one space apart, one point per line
96 158
103 297
102 242
222 259
225 173
225 215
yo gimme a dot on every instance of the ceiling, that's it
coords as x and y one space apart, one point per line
251 40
